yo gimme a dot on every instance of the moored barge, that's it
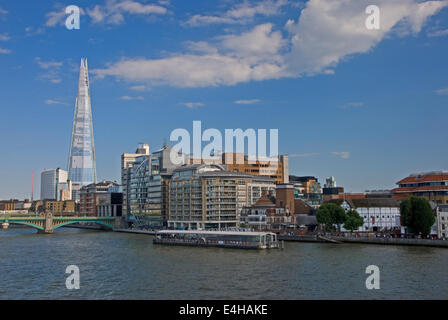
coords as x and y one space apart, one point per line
222 239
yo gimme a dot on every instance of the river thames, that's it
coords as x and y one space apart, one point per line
128 266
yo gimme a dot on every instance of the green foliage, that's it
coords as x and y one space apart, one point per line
417 215
331 214
353 221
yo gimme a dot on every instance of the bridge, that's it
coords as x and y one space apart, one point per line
48 223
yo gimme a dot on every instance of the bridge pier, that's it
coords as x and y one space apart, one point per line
48 224
44 231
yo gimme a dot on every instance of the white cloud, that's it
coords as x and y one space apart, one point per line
55 18
55 101
421 11
342 154
329 31
193 105
4 37
139 88
260 42
239 58
303 155
350 105
240 13
198 20
52 70
438 33
128 98
5 51
3 11
442 92
112 11
201 47
326 33
48 64
252 101
30 31
135 7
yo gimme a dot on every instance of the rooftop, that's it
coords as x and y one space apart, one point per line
425 177
368 202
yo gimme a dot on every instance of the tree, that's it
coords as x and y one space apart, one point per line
353 221
323 216
331 214
417 215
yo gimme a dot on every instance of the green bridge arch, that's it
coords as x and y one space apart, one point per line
72 222
55 225
35 226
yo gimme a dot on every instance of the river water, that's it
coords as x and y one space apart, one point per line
128 266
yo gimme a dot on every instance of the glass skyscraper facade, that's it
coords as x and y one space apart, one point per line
81 165
147 178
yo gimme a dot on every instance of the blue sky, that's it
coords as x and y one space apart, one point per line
366 106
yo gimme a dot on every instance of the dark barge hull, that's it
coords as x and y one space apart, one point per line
197 244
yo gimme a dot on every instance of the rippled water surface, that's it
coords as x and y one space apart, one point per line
128 266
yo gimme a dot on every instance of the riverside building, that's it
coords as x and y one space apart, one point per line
432 186
442 221
91 194
146 178
127 162
207 196
51 182
380 213
308 189
278 170
267 214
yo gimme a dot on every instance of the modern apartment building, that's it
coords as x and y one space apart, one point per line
127 161
432 186
277 170
50 183
147 179
206 196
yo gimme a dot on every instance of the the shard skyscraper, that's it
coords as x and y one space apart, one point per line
81 163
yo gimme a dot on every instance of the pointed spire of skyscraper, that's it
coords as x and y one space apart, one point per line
81 165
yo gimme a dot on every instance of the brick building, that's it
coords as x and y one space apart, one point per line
432 186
